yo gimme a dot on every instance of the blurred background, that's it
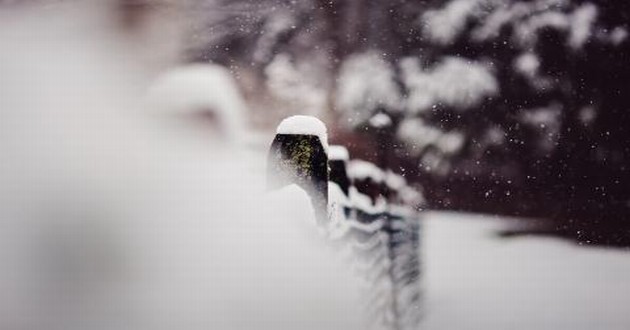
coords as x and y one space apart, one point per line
496 106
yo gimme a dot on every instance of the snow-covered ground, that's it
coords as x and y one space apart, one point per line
476 280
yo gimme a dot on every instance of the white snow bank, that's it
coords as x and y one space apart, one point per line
337 152
360 170
477 281
304 125
112 220
191 242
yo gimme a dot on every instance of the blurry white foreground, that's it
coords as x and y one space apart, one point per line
117 215
477 281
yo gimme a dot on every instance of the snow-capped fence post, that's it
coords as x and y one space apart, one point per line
299 155
337 161
375 220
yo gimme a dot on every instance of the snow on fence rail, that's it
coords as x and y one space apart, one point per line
370 212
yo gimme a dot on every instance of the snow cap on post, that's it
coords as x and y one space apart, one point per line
299 155
336 152
304 125
338 157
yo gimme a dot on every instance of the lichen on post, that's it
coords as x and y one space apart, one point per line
296 158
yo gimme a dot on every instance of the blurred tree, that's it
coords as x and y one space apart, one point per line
561 68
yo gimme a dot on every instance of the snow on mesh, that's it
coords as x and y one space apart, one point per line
364 202
360 169
337 201
336 195
304 125
454 82
337 152
411 196
394 181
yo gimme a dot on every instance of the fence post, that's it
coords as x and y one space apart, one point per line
299 156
